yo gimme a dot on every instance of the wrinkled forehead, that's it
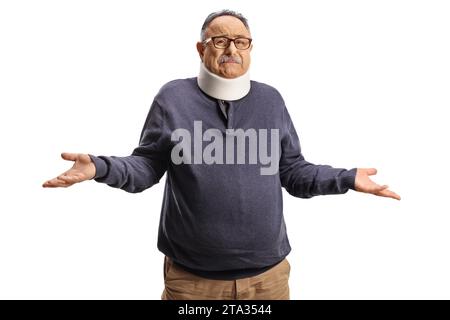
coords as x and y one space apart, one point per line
226 25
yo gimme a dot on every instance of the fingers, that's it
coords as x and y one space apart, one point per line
374 188
56 183
369 171
389 194
69 177
379 190
364 184
69 156
63 180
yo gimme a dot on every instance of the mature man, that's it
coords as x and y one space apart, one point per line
228 145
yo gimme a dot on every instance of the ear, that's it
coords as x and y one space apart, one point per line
200 50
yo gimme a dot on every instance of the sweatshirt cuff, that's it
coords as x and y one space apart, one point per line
101 169
348 178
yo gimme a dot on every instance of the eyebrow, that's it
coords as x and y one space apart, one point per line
234 35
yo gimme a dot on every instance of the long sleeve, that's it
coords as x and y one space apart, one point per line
147 163
303 179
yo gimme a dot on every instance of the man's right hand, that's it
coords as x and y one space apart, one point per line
83 169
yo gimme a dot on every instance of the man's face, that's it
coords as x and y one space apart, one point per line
215 59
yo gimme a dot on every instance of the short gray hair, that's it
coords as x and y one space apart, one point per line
220 13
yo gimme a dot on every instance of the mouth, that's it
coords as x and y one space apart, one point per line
228 59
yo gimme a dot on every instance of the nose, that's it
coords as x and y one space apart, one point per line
231 49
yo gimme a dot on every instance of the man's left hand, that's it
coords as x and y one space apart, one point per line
364 184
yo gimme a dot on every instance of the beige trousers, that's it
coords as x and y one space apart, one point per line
269 285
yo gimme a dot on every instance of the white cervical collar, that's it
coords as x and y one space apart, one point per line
223 88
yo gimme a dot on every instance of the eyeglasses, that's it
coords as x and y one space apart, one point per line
222 42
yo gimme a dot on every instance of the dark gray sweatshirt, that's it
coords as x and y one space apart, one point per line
224 215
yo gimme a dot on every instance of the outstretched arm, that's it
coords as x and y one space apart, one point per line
134 173
304 179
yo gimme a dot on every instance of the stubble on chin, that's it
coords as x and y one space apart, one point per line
230 71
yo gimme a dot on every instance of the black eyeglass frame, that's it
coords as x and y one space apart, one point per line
206 41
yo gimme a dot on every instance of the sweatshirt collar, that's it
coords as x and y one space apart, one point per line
223 88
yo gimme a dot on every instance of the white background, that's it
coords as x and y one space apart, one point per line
367 85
